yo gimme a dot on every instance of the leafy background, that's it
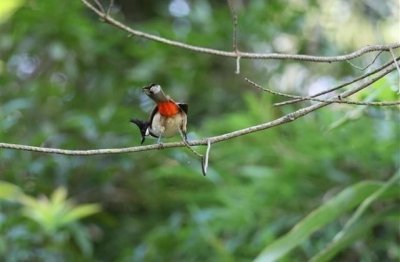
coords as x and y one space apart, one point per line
70 81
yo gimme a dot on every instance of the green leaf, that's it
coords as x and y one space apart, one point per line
8 7
59 196
356 232
368 201
343 202
82 239
56 213
80 212
9 191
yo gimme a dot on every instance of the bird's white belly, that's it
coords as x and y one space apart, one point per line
166 126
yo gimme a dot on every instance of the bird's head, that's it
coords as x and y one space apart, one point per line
155 92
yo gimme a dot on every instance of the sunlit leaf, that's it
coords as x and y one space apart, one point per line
8 7
9 191
59 196
80 211
59 212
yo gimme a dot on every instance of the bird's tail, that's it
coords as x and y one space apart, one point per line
143 126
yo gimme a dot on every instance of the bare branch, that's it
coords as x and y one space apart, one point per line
338 100
368 65
237 65
205 141
234 35
234 25
339 86
234 54
397 66
110 7
185 142
205 159
99 5
188 146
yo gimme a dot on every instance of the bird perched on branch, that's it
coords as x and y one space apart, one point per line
167 119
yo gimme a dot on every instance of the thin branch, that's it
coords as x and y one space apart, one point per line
235 22
234 25
189 147
397 66
237 65
185 142
205 141
339 86
110 7
338 100
205 159
99 5
234 35
368 65
246 55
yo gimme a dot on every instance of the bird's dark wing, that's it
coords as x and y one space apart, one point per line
155 110
142 125
184 107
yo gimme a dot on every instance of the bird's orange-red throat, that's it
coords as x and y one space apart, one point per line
168 108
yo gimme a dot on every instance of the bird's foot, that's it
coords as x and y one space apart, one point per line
160 145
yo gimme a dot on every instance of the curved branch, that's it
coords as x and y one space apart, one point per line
236 54
369 64
205 141
352 81
338 100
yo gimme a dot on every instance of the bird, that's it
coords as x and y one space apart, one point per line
167 119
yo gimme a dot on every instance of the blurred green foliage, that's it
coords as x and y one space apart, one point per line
54 233
67 80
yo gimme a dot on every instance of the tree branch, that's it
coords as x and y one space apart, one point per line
339 86
397 66
238 54
206 141
369 64
338 100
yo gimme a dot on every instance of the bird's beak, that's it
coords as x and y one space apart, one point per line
146 90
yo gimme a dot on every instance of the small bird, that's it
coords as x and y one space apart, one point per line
167 119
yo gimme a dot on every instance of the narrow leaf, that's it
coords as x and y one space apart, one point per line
350 236
341 203
80 212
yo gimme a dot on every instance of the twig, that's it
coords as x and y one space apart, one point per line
205 159
234 25
110 7
204 171
99 5
339 86
189 147
339 101
246 55
215 139
368 65
234 35
397 66
237 65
